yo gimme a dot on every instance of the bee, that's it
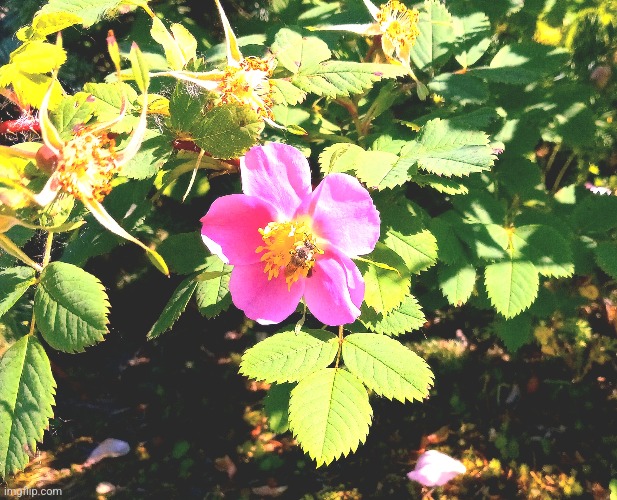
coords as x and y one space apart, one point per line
301 256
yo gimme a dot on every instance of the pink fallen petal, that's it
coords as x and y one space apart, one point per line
265 301
343 213
277 173
107 449
436 469
231 227
335 290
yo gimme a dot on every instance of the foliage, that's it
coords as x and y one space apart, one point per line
484 162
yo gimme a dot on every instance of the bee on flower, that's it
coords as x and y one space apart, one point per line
396 26
244 80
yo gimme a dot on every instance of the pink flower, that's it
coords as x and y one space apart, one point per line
288 242
436 469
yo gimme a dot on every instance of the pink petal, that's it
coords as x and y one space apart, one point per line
277 173
335 290
265 301
230 229
436 469
344 214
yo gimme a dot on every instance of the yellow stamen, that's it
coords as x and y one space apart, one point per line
399 24
290 246
86 165
249 85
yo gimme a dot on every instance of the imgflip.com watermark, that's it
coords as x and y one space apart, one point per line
30 492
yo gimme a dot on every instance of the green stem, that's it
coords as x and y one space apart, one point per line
561 173
340 346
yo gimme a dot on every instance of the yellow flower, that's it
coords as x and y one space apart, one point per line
245 80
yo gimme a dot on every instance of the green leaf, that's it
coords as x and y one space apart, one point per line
295 52
462 89
13 284
185 252
71 307
72 112
27 390
381 170
473 34
385 289
37 57
419 250
457 282
108 103
402 319
436 35
523 63
44 25
515 332
340 157
512 286
606 257
90 11
440 184
286 93
343 78
330 414
153 153
595 214
451 250
443 150
545 248
139 68
387 367
212 293
289 357
179 45
174 308
276 406
228 131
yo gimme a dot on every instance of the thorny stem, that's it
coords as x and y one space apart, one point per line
340 346
562 172
551 159
352 109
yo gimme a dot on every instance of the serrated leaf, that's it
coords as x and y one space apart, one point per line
512 286
522 63
295 52
387 367
381 170
72 112
473 34
27 390
153 153
461 88
37 57
286 93
450 248
457 282
13 284
330 414
419 250
595 213
606 257
276 407
444 150
44 25
174 308
340 157
545 248
515 332
90 11
289 357
402 319
440 184
71 307
228 131
139 68
212 293
343 78
384 289
436 35
108 103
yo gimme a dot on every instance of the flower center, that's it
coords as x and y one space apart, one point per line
399 23
290 246
86 166
249 85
